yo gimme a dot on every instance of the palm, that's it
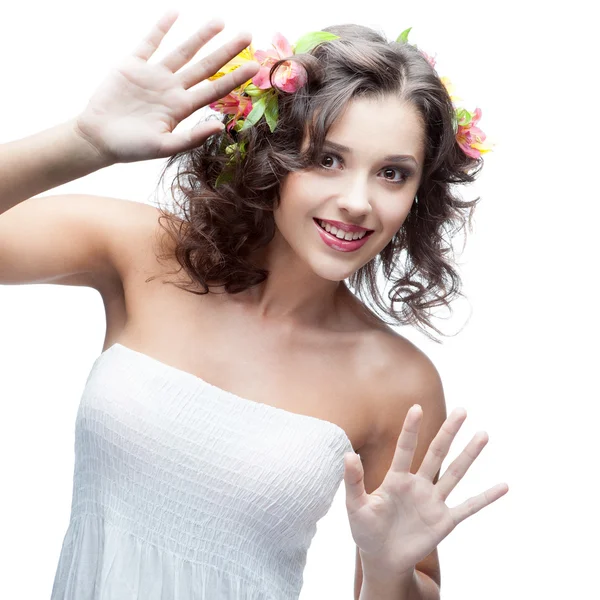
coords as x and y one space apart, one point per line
144 102
404 520
404 515
132 114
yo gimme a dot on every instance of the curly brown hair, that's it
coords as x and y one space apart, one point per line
223 224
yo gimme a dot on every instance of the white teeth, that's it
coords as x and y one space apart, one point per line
342 235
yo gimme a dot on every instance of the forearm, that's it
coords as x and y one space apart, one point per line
43 161
413 586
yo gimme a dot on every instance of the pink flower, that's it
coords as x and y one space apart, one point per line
289 76
233 104
430 59
471 138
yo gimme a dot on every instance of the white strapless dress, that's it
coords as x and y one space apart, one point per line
184 491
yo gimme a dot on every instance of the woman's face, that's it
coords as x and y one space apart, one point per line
362 180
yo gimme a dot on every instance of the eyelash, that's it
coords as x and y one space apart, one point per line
404 172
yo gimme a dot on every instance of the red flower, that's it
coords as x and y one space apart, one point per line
233 104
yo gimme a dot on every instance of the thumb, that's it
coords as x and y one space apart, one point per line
354 479
192 138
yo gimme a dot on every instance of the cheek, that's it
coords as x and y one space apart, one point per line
393 217
298 196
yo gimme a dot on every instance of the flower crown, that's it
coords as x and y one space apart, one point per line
256 98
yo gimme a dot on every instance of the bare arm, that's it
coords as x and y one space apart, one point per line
43 161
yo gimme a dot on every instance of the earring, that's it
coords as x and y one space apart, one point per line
414 214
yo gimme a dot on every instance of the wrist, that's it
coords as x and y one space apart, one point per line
382 567
383 585
94 156
386 575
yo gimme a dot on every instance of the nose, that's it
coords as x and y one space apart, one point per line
354 197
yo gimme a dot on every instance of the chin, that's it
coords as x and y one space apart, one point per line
332 272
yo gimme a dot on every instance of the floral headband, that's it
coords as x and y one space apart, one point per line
256 98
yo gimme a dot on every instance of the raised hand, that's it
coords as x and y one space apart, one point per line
132 115
404 520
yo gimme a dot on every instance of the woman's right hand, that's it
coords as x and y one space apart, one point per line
132 115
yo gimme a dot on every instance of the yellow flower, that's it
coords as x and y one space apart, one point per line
450 89
246 55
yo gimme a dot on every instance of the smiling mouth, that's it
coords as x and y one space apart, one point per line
361 234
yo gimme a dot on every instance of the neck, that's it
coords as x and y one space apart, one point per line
292 292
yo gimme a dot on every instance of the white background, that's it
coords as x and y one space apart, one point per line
523 366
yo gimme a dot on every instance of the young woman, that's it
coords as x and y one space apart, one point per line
334 162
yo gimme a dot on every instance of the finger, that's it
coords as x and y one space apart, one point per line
440 446
354 481
456 471
192 138
211 64
209 91
407 441
476 503
147 47
186 51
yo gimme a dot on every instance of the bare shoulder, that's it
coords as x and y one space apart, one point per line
395 374
402 376
134 239
134 234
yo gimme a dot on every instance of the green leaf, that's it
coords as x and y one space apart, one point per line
463 116
454 123
403 37
314 38
224 177
272 112
238 126
258 109
253 91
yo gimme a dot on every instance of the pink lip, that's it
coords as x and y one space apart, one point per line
344 226
341 245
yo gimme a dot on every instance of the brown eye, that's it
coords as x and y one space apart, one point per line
403 175
328 161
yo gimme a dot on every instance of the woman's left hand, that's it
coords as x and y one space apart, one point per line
406 517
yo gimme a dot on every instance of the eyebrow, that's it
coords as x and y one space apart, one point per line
390 157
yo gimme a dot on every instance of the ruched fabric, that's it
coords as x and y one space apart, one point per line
184 491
